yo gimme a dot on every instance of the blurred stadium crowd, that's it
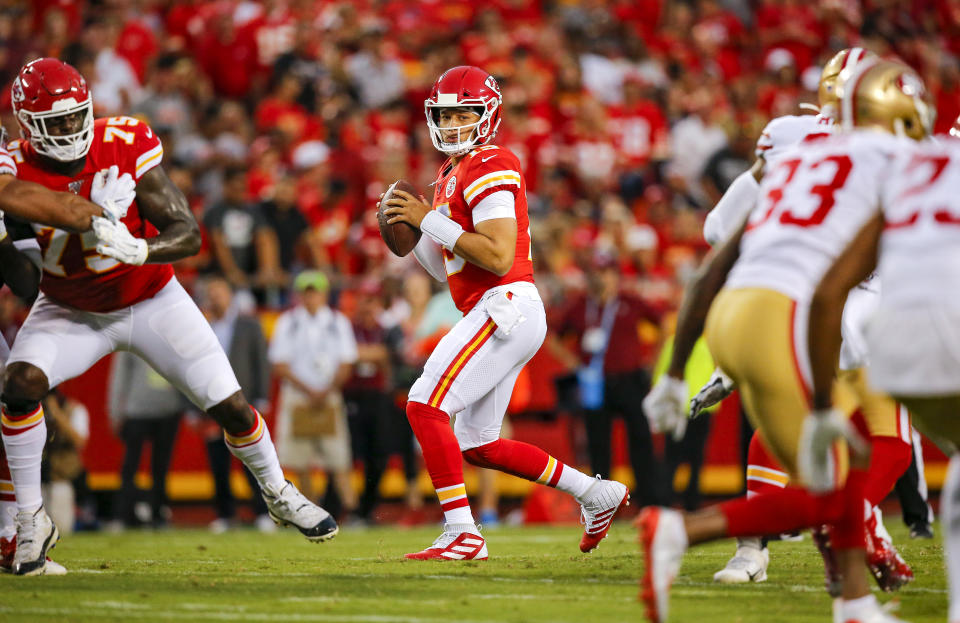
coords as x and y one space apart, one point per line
282 122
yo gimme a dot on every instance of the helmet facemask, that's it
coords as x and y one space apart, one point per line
481 131
35 127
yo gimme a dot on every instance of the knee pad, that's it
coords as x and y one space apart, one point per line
18 406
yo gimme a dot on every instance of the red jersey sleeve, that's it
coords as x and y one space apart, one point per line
491 169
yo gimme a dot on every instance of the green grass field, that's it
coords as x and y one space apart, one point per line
534 574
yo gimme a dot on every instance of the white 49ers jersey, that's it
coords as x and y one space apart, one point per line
920 245
784 132
813 200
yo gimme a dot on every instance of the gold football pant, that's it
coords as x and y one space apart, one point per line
752 336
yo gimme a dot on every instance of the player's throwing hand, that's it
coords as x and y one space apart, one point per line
405 208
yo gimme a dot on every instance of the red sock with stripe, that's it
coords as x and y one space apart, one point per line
441 456
255 449
529 462
24 437
8 502
764 473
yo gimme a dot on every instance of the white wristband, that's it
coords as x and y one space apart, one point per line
443 229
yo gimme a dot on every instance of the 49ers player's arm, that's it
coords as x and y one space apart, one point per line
700 294
162 203
735 204
32 202
826 309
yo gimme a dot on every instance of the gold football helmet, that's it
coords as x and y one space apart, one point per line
846 59
886 96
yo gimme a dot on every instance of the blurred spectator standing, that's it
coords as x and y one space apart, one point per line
367 397
63 474
242 339
613 372
143 409
244 246
402 318
288 224
312 351
689 449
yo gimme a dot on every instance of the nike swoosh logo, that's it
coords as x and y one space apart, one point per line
487 158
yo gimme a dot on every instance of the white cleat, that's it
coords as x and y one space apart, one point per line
749 564
458 542
36 535
597 508
870 611
54 568
288 507
663 541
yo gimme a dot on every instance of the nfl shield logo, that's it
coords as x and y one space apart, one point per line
75 186
451 186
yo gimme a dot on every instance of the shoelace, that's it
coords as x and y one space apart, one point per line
287 501
445 538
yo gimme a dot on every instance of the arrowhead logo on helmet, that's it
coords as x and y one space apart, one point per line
54 109
464 87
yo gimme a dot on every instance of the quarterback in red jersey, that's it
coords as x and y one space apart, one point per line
478 241
113 289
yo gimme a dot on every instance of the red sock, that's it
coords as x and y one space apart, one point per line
441 453
764 473
793 508
848 530
516 458
889 458
529 462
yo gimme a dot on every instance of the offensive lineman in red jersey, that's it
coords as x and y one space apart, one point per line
113 289
479 220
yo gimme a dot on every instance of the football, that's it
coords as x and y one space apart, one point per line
399 237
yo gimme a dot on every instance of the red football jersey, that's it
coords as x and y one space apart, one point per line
459 189
74 274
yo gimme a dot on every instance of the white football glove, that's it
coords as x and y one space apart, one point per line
116 241
717 388
666 407
113 192
3 227
815 457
